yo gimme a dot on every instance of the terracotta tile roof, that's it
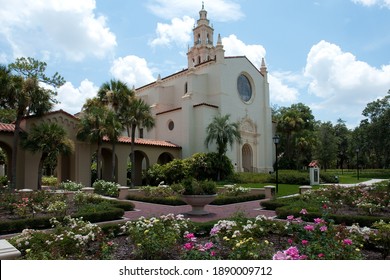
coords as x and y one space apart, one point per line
5 127
148 142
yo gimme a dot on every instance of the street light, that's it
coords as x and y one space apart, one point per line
276 142
357 162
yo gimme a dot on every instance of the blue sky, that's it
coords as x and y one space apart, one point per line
332 55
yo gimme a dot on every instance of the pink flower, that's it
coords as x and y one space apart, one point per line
290 218
188 246
298 220
279 256
189 235
293 253
309 228
289 241
213 253
208 245
324 206
319 221
303 212
303 257
305 242
347 241
323 228
321 255
214 231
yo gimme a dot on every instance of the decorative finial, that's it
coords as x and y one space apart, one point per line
202 5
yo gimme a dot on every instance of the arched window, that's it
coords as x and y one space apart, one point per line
185 87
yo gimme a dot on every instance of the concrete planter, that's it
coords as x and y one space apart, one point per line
198 202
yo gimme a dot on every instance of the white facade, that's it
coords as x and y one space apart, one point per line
184 103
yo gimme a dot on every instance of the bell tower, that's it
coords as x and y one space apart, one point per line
203 48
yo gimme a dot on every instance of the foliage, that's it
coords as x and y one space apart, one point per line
194 187
201 166
106 188
244 238
194 250
321 240
49 181
160 191
381 237
295 126
156 238
224 133
234 190
3 181
71 186
69 239
26 90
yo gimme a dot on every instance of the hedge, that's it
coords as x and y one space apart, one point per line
223 200
175 201
13 226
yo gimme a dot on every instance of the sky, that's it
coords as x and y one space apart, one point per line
331 55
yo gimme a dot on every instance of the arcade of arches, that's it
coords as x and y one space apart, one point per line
77 166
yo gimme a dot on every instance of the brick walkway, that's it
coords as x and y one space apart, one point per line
250 209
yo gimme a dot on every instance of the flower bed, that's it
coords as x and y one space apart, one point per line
35 209
231 239
364 205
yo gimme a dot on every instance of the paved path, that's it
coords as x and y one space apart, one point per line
250 209
367 183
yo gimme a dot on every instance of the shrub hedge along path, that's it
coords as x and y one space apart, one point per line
251 209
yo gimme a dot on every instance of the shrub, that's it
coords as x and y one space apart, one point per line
71 186
155 174
3 181
195 187
291 177
156 238
160 191
320 240
106 188
71 237
49 181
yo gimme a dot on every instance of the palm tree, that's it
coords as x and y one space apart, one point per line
112 129
91 126
138 114
116 96
24 94
49 139
223 133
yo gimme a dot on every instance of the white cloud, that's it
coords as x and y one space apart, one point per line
280 91
235 47
221 10
132 70
369 3
72 99
178 32
341 81
53 27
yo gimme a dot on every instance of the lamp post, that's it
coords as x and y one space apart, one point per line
276 140
357 162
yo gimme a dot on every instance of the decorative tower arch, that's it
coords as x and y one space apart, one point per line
203 48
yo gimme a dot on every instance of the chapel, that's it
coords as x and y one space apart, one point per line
185 102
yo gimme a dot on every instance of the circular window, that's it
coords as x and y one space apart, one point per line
171 125
244 88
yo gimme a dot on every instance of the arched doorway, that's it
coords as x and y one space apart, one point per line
6 162
247 158
164 158
106 159
141 163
